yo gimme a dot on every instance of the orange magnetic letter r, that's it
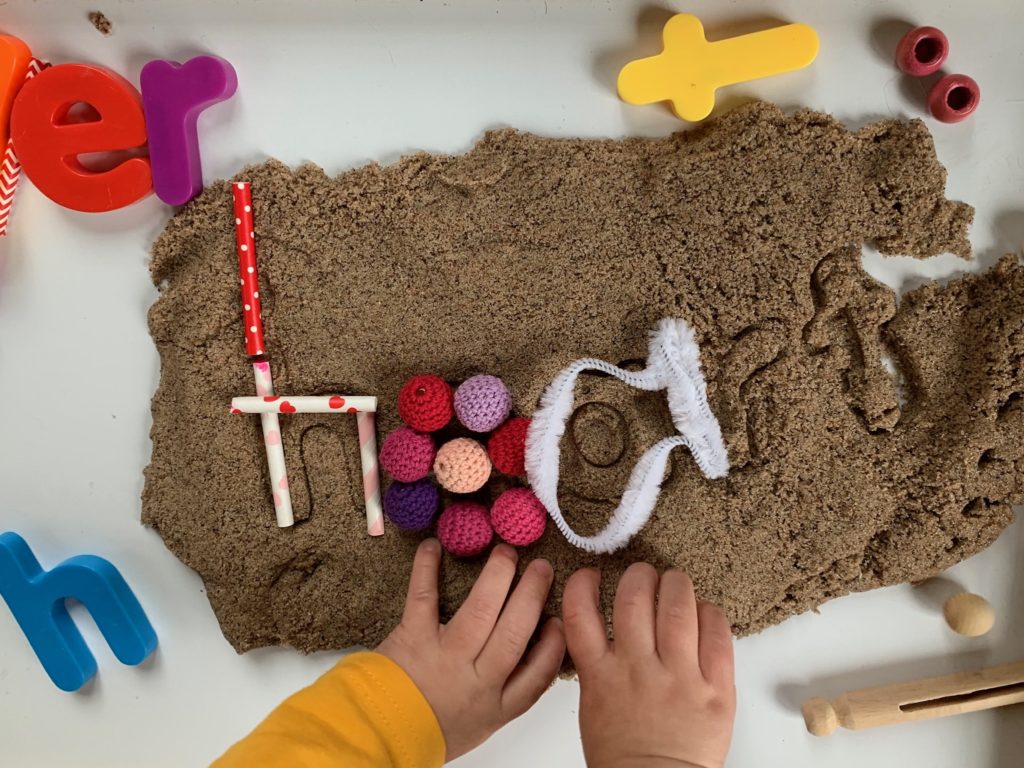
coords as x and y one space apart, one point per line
14 59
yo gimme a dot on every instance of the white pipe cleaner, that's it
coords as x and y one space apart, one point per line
673 364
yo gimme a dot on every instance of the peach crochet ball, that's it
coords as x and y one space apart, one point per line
462 465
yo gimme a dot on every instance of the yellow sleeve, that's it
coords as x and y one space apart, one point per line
363 713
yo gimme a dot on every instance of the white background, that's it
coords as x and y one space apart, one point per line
342 83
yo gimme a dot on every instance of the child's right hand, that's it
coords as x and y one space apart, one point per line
662 694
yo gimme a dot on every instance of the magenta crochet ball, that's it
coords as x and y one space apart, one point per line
482 403
518 517
464 529
407 455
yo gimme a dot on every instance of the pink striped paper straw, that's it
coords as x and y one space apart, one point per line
275 450
304 404
366 424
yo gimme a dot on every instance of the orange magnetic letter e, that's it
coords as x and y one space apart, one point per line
49 139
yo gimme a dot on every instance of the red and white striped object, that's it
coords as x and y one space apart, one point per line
367 427
10 171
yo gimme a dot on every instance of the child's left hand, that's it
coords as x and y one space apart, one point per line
469 669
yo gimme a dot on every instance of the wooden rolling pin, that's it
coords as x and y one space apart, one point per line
917 700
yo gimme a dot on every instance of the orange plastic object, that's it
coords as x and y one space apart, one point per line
14 59
690 69
49 140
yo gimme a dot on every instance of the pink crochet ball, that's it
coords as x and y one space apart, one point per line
518 517
482 403
407 455
462 466
425 403
463 529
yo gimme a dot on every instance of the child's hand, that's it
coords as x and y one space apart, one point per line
661 695
469 669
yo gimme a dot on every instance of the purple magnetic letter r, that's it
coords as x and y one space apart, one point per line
173 95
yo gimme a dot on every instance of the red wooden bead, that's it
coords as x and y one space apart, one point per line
922 51
953 98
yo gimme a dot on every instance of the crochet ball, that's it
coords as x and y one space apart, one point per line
425 403
407 455
507 447
519 517
462 466
463 529
411 506
482 403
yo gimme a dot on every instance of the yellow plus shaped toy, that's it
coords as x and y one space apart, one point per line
690 69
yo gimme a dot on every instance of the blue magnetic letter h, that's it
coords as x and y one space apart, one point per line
36 598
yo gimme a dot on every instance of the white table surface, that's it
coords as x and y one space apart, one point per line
345 82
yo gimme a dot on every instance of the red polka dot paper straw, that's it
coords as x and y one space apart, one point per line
366 424
275 450
245 241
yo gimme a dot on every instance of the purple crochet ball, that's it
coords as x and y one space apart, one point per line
482 403
411 506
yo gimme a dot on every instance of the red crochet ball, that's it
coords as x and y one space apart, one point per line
464 529
425 403
507 447
519 517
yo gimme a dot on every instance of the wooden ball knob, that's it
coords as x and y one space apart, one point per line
820 717
922 51
954 98
969 614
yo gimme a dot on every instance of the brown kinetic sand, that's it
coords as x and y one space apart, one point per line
527 253
101 22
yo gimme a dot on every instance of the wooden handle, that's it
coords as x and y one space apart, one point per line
917 700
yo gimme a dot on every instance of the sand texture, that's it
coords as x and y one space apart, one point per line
528 253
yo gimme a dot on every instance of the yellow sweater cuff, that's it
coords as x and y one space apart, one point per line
403 717
364 713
